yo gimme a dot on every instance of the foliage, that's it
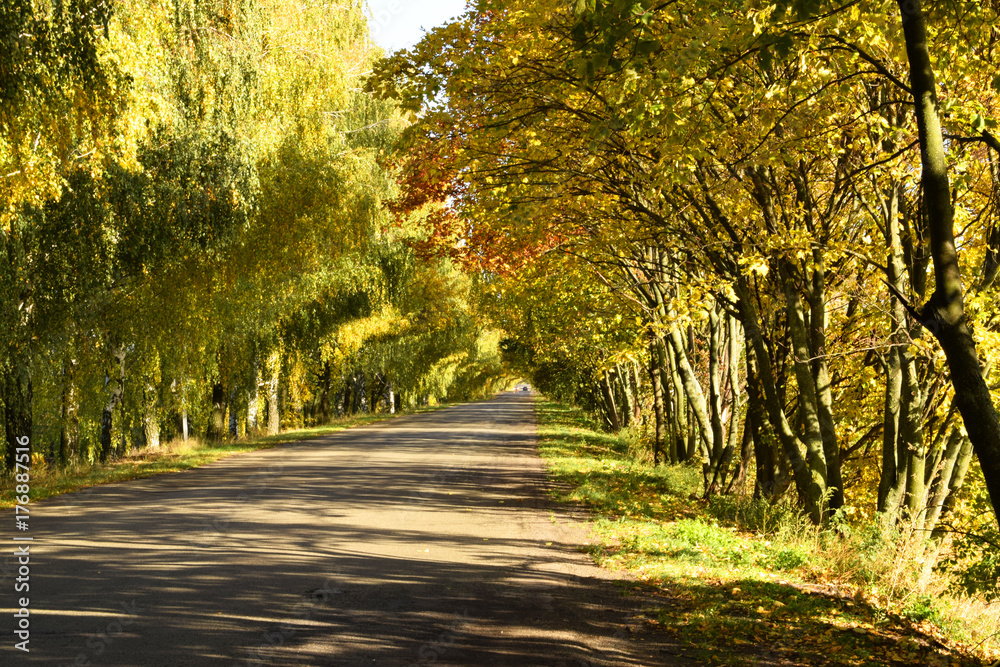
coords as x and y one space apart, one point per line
194 217
707 223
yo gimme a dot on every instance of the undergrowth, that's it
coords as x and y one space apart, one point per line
780 590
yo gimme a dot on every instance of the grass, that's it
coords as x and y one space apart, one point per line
48 481
752 583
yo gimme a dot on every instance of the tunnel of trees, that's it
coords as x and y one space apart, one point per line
763 236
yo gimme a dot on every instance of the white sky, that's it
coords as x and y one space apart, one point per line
398 24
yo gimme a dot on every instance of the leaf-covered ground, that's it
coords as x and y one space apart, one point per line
733 597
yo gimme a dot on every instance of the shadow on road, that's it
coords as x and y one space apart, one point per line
424 540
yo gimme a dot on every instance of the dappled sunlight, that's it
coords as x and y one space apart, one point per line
384 544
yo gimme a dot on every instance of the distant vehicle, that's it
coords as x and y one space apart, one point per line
522 387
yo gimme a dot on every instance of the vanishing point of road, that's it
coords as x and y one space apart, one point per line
426 539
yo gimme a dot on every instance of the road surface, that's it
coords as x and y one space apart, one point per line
427 539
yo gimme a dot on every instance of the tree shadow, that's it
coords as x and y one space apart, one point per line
423 540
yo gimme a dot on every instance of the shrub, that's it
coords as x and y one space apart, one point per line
757 514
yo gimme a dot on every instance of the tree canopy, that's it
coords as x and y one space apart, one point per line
718 221
197 241
763 236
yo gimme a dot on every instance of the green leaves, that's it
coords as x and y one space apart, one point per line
774 50
202 185
581 7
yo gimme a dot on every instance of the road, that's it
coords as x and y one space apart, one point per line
427 539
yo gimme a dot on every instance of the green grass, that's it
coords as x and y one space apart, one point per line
47 481
741 582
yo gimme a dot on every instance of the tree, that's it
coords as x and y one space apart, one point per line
944 315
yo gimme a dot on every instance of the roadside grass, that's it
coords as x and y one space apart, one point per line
47 481
745 583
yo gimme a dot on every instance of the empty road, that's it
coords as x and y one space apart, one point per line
427 539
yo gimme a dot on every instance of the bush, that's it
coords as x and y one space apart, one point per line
975 562
922 608
698 540
787 558
757 514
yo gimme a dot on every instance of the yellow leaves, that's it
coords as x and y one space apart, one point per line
754 265
352 336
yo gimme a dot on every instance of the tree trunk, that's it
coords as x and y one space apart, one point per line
324 403
234 426
675 402
17 412
273 411
693 392
892 479
721 467
150 416
809 475
812 434
253 398
896 428
944 313
735 403
611 412
947 483
945 500
911 433
217 427
746 454
636 387
117 384
361 393
821 379
69 433
620 382
764 454
659 415
712 465
348 396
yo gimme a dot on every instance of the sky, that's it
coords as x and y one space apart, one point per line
397 24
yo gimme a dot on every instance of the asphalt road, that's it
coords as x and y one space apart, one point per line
424 540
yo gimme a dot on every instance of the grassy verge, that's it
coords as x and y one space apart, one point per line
781 593
47 481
